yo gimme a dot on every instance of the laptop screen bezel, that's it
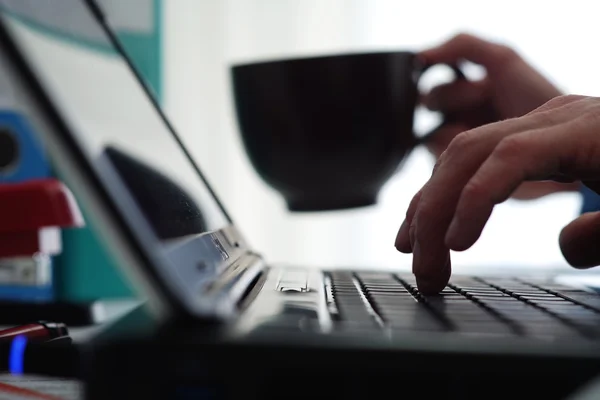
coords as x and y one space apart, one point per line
135 251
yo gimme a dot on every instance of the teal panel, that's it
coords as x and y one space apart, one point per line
86 270
66 37
146 52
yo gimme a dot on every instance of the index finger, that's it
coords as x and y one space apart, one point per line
467 47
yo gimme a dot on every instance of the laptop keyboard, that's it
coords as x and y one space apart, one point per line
469 306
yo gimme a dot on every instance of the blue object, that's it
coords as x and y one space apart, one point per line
590 200
16 355
30 162
41 293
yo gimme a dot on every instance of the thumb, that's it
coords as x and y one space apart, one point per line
468 47
579 241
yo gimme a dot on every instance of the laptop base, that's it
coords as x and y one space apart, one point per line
174 366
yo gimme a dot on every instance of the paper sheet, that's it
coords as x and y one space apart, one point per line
31 387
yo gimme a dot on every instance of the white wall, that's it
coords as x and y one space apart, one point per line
202 37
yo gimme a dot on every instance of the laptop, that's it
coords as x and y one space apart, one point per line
354 331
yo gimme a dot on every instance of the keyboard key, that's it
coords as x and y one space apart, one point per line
374 275
483 288
591 300
552 330
406 314
476 292
550 300
417 325
465 281
392 291
450 301
473 317
450 296
382 308
495 327
507 305
382 284
555 287
348 290
491 296
393 301
441 303
448 290
558 309
351 304
366 327
571 311
536 292
356 316
529 316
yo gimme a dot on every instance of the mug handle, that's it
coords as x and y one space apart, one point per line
458 76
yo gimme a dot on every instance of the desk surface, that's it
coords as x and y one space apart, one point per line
39 387
108 311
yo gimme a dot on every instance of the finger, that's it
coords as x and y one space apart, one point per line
468 47
405 237
579 241
558 102
428 283
441 138
403 240
456 96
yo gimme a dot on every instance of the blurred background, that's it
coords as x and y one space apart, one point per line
184 50
202 39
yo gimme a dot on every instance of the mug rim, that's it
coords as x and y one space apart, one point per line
322 57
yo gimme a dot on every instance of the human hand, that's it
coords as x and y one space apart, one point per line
483 166
511 87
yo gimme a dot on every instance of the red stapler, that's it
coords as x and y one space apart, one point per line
32 214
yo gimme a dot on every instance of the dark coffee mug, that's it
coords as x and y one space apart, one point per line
327 132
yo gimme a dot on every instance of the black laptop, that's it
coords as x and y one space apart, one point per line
244 327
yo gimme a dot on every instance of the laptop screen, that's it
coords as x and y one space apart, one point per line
111 115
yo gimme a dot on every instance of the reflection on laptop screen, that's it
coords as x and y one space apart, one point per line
111 114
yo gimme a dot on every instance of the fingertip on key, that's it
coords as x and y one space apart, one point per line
432 285
429 286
